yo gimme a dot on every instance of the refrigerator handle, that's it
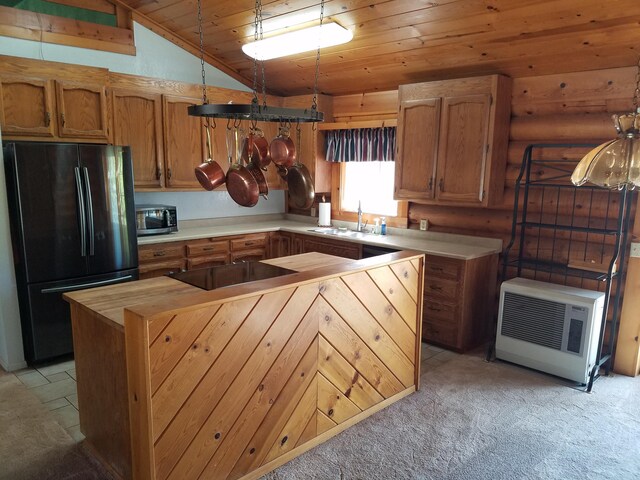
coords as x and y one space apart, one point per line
70 288
89 212
81 213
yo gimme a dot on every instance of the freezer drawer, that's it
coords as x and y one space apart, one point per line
46 323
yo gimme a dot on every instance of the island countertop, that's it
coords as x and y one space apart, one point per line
179 383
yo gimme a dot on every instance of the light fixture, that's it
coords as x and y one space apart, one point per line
298 41
256 112
616 163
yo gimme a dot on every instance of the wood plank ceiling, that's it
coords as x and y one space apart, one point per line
404 41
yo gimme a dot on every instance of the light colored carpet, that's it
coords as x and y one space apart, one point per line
470 420
33 446
478 420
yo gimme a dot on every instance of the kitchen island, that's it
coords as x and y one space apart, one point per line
175 382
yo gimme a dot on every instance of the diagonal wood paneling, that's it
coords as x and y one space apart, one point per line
347 379
258 446
211 382
174 341
395 293
285 372
333 403
408 276
158 324
342 337
324 423
186 375
296 425
238 377
350 307
388 317
310 431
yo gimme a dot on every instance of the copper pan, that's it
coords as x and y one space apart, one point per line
209 173
259 148
241 184
301 190
282 149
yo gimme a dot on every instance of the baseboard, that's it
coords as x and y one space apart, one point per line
13 366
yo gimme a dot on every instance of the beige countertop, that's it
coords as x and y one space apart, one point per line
447 245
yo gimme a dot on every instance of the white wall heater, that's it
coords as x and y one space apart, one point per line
548 327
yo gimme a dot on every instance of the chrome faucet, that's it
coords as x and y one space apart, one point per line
359 224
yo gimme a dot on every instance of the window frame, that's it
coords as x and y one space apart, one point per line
338 172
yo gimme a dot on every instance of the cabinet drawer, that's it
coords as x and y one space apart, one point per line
441 333
157 269
219 246
440 267
249 255
440 311
439 288
204 261
249 241
151 253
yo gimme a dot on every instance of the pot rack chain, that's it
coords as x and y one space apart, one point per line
258 34
314 101
204 82
636 94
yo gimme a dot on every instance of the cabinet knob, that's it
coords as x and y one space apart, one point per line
169 173
158 172
441 184
431 183
62 119
47 119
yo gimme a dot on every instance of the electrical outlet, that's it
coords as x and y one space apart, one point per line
635 249
424 224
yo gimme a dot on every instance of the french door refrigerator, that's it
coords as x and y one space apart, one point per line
72 217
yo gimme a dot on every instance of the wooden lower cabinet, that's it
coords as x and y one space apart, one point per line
459 300
162 258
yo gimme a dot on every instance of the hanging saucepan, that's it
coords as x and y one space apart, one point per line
241 185
282 149
256 171
301 190
260 150
209 173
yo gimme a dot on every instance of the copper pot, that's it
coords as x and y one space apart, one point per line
263 186
282 149
301 190
209 173
259 147
241 184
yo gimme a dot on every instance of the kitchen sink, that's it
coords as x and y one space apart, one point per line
338 232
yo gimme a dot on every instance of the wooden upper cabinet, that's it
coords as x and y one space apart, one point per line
462 152
26 106
184 141
417 178
452 141
82 110
137 122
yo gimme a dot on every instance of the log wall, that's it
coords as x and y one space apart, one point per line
564 108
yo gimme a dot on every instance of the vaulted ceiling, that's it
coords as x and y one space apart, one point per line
403 41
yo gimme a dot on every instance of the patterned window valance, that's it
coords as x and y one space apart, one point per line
361 145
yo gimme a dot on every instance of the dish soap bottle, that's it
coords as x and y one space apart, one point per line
383 226
376 226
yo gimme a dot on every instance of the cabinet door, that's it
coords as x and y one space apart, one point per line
462 153
82 110
137 122
330 247
26 106
280 245
184 140
253 255
418 133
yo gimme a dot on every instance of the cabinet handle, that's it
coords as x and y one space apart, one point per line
435 287
158 172
160 253
47 119
431 183
248 244
62 119
169 173
437 269
208 249
434 309
441 184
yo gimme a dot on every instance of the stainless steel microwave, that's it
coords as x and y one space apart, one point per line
156 219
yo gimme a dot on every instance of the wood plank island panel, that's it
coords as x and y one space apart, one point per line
234 382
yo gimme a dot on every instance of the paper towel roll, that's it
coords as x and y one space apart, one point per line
324 214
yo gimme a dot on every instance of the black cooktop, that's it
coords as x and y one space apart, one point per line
232 274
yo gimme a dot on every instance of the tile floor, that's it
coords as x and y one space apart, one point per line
55 386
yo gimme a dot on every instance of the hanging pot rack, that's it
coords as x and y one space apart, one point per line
255 112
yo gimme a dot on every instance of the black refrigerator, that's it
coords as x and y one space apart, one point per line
72 216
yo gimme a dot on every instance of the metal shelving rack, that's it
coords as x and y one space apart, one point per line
595 230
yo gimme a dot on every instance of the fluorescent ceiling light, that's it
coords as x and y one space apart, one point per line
307 39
